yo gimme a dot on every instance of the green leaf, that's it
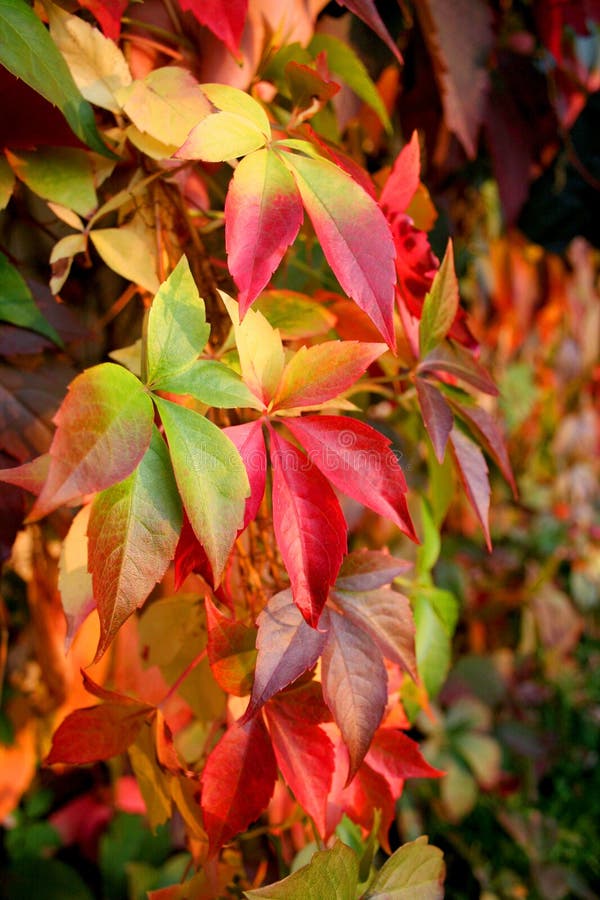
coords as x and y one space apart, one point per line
133 531
294 314
432 645
17 305
28 51
414 872
60 174
343 61
177 327
104 429
211 478
331 874
429 550
213 383
440 305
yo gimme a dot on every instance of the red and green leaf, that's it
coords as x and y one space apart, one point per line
440 305
237 781
231 651
490 434
133 532
454 360
309 525
353 234
103 430
263 214
250 444
403 180
320 373
359 461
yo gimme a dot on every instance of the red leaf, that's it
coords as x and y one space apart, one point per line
108 13
359 462
437 416
250 444
387 618
237 781
190 556
473 472
490 433
309 525
354 685
231 651
287 647
459 37
320 373
30 476
263 214
403 180
459 363
97 732
397 757
225 18
304 755
367 11
354 235
364 570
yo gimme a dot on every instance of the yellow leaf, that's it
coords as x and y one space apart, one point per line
130 252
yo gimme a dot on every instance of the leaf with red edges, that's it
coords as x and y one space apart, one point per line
304 755
309 525
104 429
473 472
97 732
437 415
30 476
287 647
490 434
367 11
364 570
403 180
354 685
250 444
133 532
387 618
358 460
263 214
320 373
231 651
225 18
237 781
397 757
354 235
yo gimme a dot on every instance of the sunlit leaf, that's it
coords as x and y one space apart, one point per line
231 651
440 305
212 383
353 234
239 127
310 529
103 430
133 531
126 251
414 872
97 732
330 873
403 180
7 182
295 315
263 214
211 478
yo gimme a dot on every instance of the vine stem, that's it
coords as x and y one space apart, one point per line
178 681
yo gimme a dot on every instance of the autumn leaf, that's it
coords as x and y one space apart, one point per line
304 755
403 180
359 461
177 327
74 580
237 781
98 732
353 234
309 525
473 472
250 444
263 214
437 415
211 478
459 39
386 616
396 757
231 651
453 359
354 685
212 383
287 647
108 13
414 870
324 371
17 305
104 428
489 432
364 570
225 18
239 127
133 531
367 11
